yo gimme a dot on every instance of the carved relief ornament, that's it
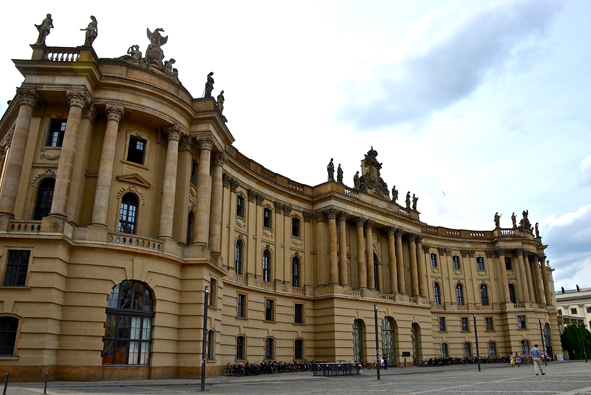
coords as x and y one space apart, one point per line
114 112
46 174
29 96
78 98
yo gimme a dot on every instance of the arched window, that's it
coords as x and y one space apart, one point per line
437 293
128 214
128 330
189 228
240 348
376 272
484 294
460 294
266 266
358 339
239 257
512 293
295 272
8 329
269 348
44 199
211 344
298 349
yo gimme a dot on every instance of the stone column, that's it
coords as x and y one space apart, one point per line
414 275
343 277
174 133
371 284
114 113
392 261
400 262
361 253
215 218
14 165
524 289
201 226
547 292
505 296
538 276
421 267
530 278
333 259
77 99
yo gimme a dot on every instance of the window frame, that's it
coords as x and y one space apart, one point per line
437 293
58 131
241 348
269 310
508 263
295 227
16 270
512 293
298 313
525 350
460 295
211 345
467 349
480 266
241 306
573 311
442 324
239 258
489 323
296 266
44 198
267 218
213 292
269 349
298 345
492 348
465 324
132 223
9 330
266 266
456 262
521 321
133 156
240 206
484 300
444 350
433 260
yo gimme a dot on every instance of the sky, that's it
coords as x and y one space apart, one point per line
477 107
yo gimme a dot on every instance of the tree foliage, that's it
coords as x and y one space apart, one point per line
571 341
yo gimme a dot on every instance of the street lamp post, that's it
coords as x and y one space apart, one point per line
204 345
375 313
476 335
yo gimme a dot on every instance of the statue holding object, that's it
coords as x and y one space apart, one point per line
339 174
91 32
330 170
44 29
154 53
209 85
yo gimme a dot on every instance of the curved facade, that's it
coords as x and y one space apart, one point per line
123 197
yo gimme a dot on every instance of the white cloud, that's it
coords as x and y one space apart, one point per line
586 170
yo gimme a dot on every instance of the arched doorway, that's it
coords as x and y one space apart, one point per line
389 340
358 340
415 337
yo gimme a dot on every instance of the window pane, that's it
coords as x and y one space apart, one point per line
121 352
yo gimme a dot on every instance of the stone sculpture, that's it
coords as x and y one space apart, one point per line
91 32
370 180
356 180
537 230
168 66
514 220
220 100
524 223
209 85
408 200
497 220
154 53
394 194
330 170
134 53
414 202
339 174
44 29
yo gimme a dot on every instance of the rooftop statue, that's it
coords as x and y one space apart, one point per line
330 170
154 53
356 180
370 180
221 99
394 194
537 230
408 200
414 202
133 54
209 85
44 29
339 174
91 32
514 220
497 220
524 223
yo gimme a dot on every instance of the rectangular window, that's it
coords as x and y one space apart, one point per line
467 349
241 304
240 348
269 310
57 129
559 312
456 260
240 206
465 324
299 313
492 348
480 263
17 266
136 150
444 351
299 349
442 324
489 323
588 309
508 264
521 323
433 260
213 290
267 218
525 347
573 311
295 227
269 348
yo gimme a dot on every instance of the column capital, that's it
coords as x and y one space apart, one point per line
331 213
342 216
427 248
175 131
359 221
440 250
219 159
278 206
518 252
78 98
287 209
227 180
369 223
205 143
320 216
412 237
420 238
114 111
234 185
29 96
489 253
391 230
500 251
90 112
308 215
252 195
260 198
398 232
541 259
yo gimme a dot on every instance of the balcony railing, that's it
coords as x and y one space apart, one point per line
134 241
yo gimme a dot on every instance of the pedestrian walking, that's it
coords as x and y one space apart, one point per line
512 360
536 355
518 359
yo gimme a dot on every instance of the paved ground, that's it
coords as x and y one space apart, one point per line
561 378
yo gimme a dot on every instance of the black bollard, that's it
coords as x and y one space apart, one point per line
6 383
45 388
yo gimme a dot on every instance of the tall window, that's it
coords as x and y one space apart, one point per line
489 323
136 150
213 292
211 344
521 323
460 294
299 313
508 265
241 306
298 349
44 198
57 129
239 257
442 326
525 347
266 266
8 329
512 293
492 348
269 348
17 265
267 218
456 260
467 349
189 228
128 214
295 271
240 206
465 324
444 351
480 263
240 343
376 272
295 227
433 260
437 293
128 329
484 294
269 310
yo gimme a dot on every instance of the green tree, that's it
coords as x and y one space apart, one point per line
571 341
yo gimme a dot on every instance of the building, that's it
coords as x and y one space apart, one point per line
574 307
123 197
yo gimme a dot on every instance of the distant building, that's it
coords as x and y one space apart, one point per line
123 197
574 307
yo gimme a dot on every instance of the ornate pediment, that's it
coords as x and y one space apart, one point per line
370 181
134 179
